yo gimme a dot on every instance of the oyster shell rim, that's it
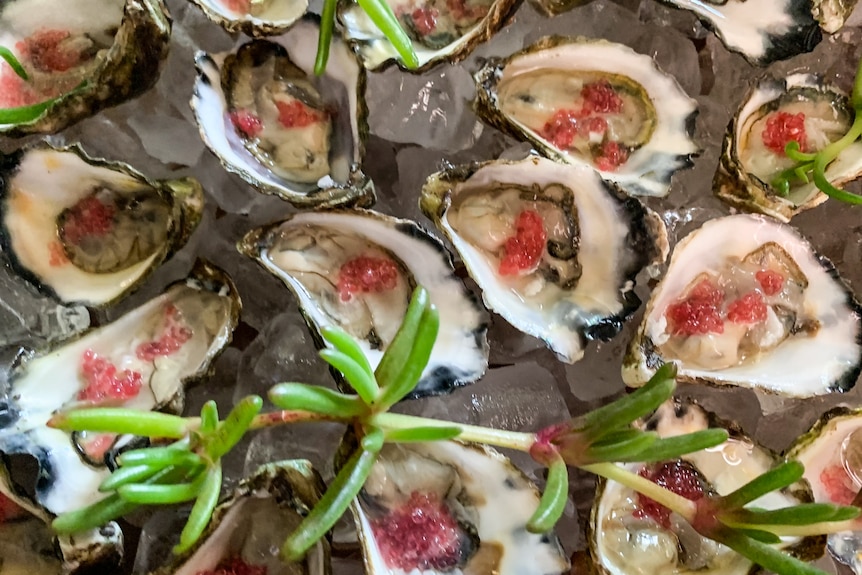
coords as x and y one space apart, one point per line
250 25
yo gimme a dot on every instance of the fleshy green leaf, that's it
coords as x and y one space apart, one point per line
384 18
324 36
316 399
766 556
10 58
677 446
202 510
120 421
399 348
776 478
345 343
802 514
553 501
359 379
408 377
231 430
417 434
624 451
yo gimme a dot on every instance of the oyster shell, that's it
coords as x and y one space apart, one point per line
254 17
268 119
589 243
142 361
746 301
86 230
90 54
801 105
595 103
474 504
323 256
439 30
628 534
255 521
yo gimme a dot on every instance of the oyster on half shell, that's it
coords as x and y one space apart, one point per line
470 506
357 270
799 107
90 54
270 120
594 103
554 248
746 301
86 230
254 18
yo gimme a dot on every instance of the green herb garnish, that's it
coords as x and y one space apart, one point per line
22 114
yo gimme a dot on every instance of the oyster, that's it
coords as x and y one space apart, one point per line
89 54
554 248
87 230
357 270
449 507
254 17
26 543
595 103
746 301
267 118
440 30
251 526
141 361
799 108
630 533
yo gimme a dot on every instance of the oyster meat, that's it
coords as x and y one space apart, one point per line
595 103
267 118
746 301
448 507
440 30
554 248
357 270
141 361
89 54
86 230
799 108
250 527
254 17
632 534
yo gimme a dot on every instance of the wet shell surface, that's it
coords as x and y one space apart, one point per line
476 504
554 248
801 107
86 230
270 120
440 30
254 18
632 534
141 361
89 54
746 301
592 103
252 525
357 270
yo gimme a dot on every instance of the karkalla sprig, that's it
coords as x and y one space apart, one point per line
599 442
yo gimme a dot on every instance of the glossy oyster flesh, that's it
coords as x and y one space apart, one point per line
248 530
87 230
554 248
254 17
832 455
800 108
630 533
594 103
91 54
357 270
267 118
746 301
449 507
440 30
142 361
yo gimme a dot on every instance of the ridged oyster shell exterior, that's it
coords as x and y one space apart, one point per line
667 148
309 252
618 238
808 362
735 185
129 68
40 185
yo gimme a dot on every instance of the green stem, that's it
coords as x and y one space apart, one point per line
823 528
687 509
287 416
471 433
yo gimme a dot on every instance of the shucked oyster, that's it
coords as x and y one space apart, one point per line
800 108
747 302
247 531
594 103
86 230
447 507
140 361
287 132
631 533
357 270
254 17
92 54
554 248
440 30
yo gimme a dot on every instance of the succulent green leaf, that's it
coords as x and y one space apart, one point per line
126 475
624 451
359 379
209 417
418 434
553 501
324 37
677 446
231 430
399 348
344 342
202 510
316 399
426 335
760 535
384 18
768 557
776 478
803 514
10 58
120 420
160 457
144 494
